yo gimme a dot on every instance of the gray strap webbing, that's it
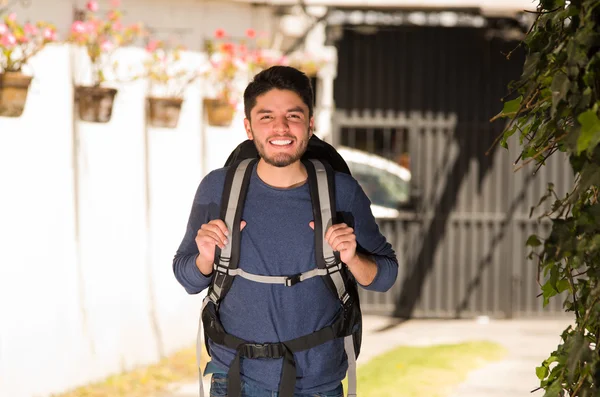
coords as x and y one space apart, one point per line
232 204
349 346
199 345
224 259
326 220
199 352
279 279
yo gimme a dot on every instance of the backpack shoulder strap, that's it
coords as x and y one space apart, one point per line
235 190
321 181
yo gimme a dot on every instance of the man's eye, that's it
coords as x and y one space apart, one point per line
265 117
294 116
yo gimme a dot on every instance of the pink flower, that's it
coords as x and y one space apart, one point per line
228 48
3 29
117 26
49 34
78 27
220 33
113 15
152 45
136 27
92 5
92 26
29 29
8 40
283 60
12 17
106 46
250 33
115 3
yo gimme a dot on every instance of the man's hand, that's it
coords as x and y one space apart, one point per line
341 238
211 234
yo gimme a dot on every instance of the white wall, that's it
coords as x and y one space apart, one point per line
40 320
90 218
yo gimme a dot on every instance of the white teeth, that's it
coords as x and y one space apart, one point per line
281 142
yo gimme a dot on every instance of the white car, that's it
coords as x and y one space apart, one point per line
386 183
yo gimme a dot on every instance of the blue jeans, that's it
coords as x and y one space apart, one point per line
218 388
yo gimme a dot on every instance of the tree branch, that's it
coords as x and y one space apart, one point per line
529 160
539 13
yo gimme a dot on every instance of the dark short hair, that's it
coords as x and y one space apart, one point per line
282 78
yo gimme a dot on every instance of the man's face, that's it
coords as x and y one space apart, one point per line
280 127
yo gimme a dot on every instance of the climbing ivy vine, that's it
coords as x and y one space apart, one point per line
554 110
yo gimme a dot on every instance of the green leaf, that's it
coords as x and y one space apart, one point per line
512 106
578 351
589 175
550 4
548 291
562 285
560 87
531 64
589 136
541 372
507 134
550 360
586 97
572 10
533 241
554 389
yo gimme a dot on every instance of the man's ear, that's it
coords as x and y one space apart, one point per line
248 129
311 127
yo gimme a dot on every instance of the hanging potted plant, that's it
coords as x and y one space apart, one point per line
261 56
100 37
308 62
18 43
226 72
168 78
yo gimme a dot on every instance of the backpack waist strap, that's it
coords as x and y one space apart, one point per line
215 332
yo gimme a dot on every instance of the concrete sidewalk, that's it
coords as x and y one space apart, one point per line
528 343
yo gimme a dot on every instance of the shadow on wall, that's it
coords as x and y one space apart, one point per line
444 71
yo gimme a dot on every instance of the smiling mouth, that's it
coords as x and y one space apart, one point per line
281 142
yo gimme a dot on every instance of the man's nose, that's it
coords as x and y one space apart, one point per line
281 124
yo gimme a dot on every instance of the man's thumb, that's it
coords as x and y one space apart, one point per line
242 225
312 225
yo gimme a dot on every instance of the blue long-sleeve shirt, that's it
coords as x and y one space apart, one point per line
278 240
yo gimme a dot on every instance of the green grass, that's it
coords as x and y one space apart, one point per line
432 371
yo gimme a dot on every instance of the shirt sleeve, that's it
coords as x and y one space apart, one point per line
204 209
371 242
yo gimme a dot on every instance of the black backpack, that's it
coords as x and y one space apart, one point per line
320 160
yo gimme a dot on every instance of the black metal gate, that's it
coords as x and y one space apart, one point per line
423 97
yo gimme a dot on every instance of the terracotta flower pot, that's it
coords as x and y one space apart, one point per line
14 87
95 103
220 113
164 112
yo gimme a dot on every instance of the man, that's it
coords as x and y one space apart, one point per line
277 238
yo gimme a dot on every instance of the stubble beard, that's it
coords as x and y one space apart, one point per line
281 160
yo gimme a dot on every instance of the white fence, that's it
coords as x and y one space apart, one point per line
90 218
